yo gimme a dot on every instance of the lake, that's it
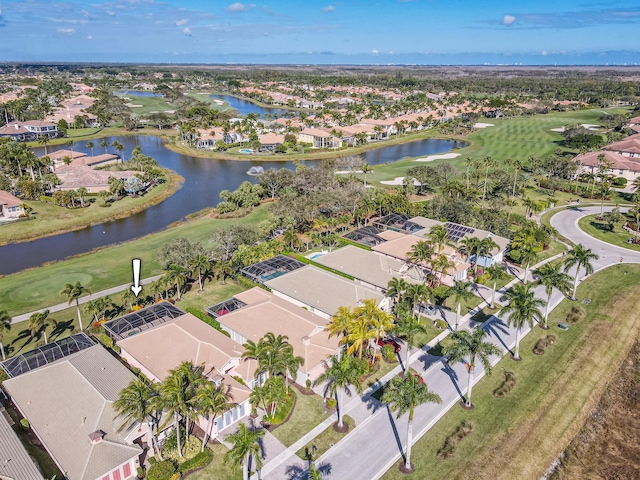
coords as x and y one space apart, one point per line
204 180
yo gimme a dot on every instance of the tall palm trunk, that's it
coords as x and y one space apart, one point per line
339 405
470 383
207 433
546 312
493 295
457 315
200 280
575 282
79 316
526 273
177 427
4 357
516 353
178 291
407 463
245 468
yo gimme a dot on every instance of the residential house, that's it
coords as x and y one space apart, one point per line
318 138
621 165
161 347
322 292
29 130
66 390
629 147
76 176
259 312
10 206
269 141
15 461
369 268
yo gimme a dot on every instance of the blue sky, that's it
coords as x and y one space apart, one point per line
326 32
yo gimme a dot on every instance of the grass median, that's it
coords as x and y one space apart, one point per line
553 394
600 230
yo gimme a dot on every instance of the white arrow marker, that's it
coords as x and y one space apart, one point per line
136 288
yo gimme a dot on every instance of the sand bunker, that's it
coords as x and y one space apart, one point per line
399 181
588 126
483 125
442 156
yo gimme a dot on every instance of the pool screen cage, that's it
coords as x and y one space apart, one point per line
271 268
145 319
46 354
368 236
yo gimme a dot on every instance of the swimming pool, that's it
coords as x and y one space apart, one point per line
245 150
316 255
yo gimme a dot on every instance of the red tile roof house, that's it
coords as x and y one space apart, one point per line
269 141
28 131
621 165
76 176
10 206
629 147
165 346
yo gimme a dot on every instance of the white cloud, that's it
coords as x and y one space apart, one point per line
329 8
544 53
508 19
374 52
184 21
186 31
240 7
66 31
111 13
89 37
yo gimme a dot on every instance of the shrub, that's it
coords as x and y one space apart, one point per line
619 182
505 387
176 476
308 384
141 471
161 470
189 449
25 423
440 324
542 344
200 460
389 353
331 403
209 320
451 443
576 314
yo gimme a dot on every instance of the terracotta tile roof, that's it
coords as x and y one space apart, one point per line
84 176
9 200
618 161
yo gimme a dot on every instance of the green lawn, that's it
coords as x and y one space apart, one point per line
111 266
382 371
309 412
141 105
600 230
515 138
53 219
217 469
533 423
328 438
465 305
212 102
431 332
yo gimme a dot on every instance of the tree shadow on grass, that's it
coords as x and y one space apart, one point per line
61 328
298 472
22 335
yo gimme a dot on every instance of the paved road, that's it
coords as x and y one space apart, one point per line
376 445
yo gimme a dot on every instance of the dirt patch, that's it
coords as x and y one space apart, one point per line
607 446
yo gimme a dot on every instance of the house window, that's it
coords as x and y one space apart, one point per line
620 172
242 409
126 470
116 475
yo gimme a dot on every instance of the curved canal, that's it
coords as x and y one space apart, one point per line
204 180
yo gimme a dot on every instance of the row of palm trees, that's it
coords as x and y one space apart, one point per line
184 396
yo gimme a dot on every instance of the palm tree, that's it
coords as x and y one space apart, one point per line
366 168
90 145
119 148
439 236
128 297
359 335
396 287
81 192
177 275
201 264
222 270
522 309
470 246
470 345
580 257
416 294
340 322
246 445
404 394
73 292
211 401
551 276
176 394
407 327
341 374
496 272
5 326
484 249
527 247
460 291
136 403
38 323
104 144
291 363
255 351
